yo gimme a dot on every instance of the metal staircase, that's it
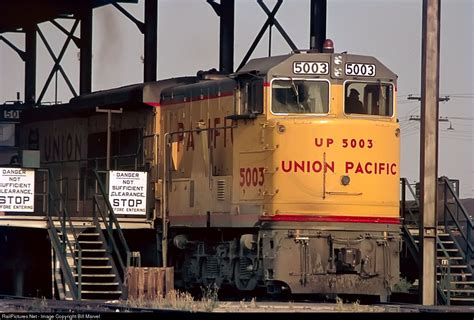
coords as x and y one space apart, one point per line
91 256
93 268
455 281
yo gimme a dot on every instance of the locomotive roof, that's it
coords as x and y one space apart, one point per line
262 65
128 97
283 65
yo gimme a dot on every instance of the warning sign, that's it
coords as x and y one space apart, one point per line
127 192
17 190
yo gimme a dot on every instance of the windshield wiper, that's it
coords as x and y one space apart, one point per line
295 91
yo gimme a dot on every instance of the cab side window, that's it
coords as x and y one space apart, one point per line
252 96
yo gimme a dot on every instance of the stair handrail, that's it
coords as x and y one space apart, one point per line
58 248
113 222
112 246
406 184
465 232
444 283
413 247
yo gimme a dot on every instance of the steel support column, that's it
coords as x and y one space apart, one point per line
317 34
30 65
429 146
226 37
225 10
268 23
85 64
151 42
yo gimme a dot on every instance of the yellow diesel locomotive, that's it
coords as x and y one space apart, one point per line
284 175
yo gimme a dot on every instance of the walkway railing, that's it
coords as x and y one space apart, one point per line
119 249
62 245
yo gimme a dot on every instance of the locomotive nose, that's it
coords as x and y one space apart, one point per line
350 165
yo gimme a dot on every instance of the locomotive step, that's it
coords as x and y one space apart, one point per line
100 292
90 242
104 275
450 258
466 283
460 290
96 267
445 243
462 299
91 250
454 266
98 283
455 274
416 232
94 258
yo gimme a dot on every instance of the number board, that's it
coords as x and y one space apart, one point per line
360 69
309 67
11 115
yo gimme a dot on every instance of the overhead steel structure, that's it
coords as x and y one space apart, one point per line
24 16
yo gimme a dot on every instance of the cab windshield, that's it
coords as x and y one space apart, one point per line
300 96
369 98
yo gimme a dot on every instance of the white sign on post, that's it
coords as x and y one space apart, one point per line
127 192
17 190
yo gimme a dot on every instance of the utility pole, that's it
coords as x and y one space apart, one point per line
109 130
429 147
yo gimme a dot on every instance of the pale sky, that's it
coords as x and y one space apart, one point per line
188 41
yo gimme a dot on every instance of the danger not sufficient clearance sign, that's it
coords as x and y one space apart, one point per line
17 190
127 192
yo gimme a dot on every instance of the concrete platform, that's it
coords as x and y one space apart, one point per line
40 222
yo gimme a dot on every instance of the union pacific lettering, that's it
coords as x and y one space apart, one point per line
349 167
371 167
306 166
219 129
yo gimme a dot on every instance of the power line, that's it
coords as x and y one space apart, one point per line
441 99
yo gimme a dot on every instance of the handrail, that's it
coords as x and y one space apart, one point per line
445 279
403 207
62 259
469 224
111 239
66 243
113 222
412 246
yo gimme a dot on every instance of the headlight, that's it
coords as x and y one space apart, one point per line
337 63
337 59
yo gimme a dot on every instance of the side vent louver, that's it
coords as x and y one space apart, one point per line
221 190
